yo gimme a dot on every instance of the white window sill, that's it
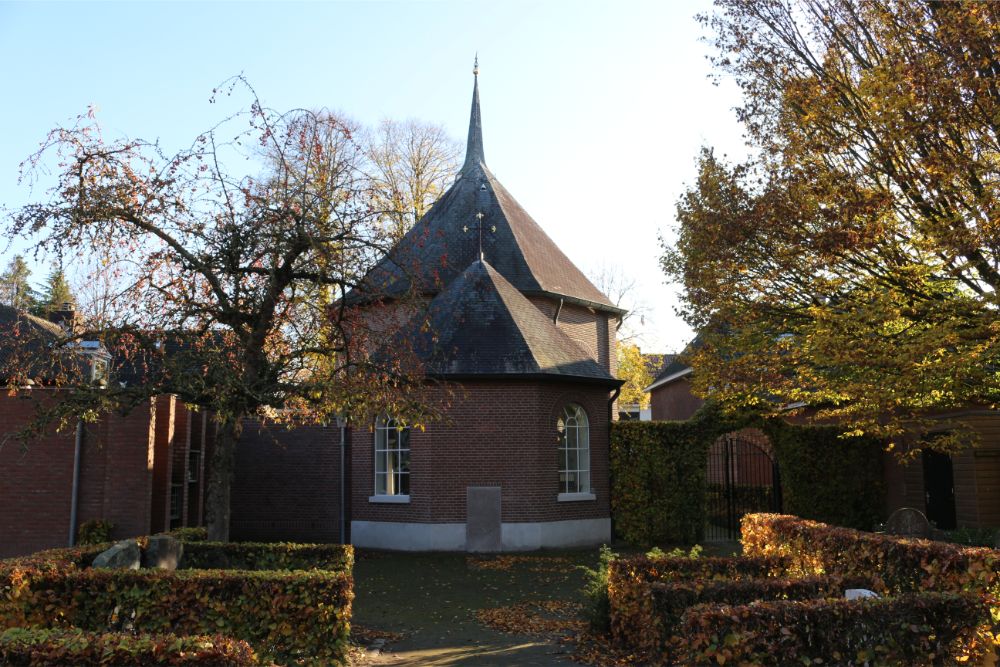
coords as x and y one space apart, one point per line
575 497
389 499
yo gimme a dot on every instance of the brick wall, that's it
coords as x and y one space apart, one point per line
674 401
286 485
500 433
116 474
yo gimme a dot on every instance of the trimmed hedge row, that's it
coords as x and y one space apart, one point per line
38 647
912 629
633 618
266 556
301 615
671 600
895 564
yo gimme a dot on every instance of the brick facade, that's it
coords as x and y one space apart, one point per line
498 433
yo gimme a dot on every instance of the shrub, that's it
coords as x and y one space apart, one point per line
895 564
267 556
912 629
95 531
826 477
633 620
284 615
39 646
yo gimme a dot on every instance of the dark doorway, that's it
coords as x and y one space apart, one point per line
742 478
939 489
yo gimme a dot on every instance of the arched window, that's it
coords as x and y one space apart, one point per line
392 458
574 450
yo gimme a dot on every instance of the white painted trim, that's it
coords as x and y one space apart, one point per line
670 378
526 536
575 497
389 499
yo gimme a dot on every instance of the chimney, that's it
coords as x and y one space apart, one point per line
68 318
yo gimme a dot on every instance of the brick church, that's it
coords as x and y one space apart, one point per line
519 463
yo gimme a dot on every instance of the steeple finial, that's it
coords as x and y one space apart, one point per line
474 150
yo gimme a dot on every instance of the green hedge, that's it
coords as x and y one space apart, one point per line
38 647
658 473
659 490
912 629
828 478
285 616
266 556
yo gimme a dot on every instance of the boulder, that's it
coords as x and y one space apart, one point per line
163 552
123 555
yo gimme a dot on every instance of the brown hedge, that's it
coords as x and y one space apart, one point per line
634 622
672 599
895 564
266 556
912 629
37 647
285 616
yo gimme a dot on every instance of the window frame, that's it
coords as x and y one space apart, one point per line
396 479
573 425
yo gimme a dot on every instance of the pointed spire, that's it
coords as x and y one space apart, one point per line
474 150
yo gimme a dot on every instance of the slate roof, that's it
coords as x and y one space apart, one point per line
437 249
481 325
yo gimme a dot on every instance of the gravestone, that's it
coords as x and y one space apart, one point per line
482 519
908 522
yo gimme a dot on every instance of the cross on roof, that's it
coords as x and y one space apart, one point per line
479 225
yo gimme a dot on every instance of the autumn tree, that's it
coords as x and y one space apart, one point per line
633 369
853 263
412 164
15 289
226 255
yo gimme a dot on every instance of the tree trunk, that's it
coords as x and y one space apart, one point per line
221 481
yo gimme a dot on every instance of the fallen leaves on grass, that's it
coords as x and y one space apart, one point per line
532 563
534 617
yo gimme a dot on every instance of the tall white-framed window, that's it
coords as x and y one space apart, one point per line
574 453
392 458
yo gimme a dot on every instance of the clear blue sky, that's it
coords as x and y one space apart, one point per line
593 112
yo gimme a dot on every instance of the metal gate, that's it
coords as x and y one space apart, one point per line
742 478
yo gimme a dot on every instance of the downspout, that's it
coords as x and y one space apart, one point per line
611 407
343 481
75 493
555 318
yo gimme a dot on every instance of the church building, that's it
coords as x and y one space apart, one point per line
521 461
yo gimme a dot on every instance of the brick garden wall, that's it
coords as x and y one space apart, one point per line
286 485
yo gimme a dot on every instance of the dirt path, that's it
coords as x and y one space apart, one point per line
430 608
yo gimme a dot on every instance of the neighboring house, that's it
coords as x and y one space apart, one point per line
960 490
143 471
